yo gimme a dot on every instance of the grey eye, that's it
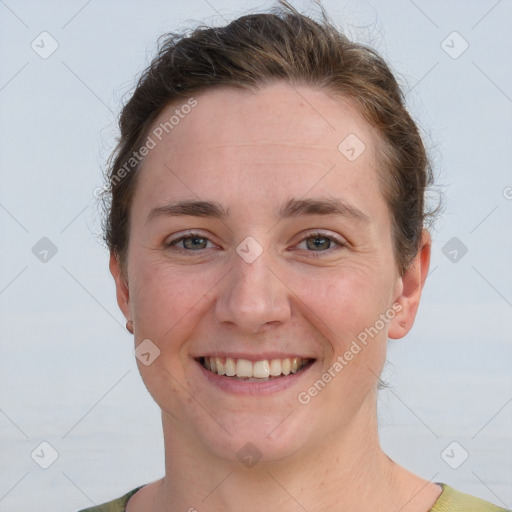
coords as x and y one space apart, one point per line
194 242
318 242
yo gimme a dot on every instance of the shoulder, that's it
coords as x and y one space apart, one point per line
451 500
118 505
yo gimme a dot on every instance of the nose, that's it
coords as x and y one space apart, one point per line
253 298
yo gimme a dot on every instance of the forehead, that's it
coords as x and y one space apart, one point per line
280 138
300 116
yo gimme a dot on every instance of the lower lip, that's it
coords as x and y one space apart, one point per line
242 387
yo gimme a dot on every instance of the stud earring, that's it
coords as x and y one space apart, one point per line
129 326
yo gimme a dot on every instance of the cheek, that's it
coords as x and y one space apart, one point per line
350 307
346 300
166 298
168 303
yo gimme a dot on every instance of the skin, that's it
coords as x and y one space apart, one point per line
251 153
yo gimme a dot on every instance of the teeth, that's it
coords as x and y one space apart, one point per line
275 367
230 366
245 369
221 369
261 369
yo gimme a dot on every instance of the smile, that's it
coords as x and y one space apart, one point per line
243 369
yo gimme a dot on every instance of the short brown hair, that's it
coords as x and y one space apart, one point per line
259 49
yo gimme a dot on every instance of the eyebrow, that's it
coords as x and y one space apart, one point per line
292 208
192 208
324 206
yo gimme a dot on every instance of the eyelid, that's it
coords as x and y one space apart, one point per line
322 233
190 233
342 242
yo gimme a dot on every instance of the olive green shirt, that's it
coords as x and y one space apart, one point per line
450 500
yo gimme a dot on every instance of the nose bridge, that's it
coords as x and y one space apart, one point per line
252 295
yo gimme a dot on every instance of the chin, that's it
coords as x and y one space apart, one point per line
268 438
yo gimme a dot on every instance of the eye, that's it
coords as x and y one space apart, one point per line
320 242
191 242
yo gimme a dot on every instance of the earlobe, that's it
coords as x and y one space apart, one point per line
122 290
412 283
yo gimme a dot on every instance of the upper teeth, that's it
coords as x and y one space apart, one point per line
259 369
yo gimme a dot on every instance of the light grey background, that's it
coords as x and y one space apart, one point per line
68 375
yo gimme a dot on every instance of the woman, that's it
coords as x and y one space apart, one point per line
266 228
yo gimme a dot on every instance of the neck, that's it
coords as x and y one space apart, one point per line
345 471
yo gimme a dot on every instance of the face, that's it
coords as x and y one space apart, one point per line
259 246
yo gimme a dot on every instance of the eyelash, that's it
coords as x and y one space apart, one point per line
319 234
191 234
315 234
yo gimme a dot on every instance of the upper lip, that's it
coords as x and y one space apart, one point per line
254 357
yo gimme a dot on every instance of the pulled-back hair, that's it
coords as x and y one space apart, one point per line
259 49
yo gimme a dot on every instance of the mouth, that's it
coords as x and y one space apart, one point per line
254 371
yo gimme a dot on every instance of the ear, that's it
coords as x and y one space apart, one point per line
122 291
411 284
